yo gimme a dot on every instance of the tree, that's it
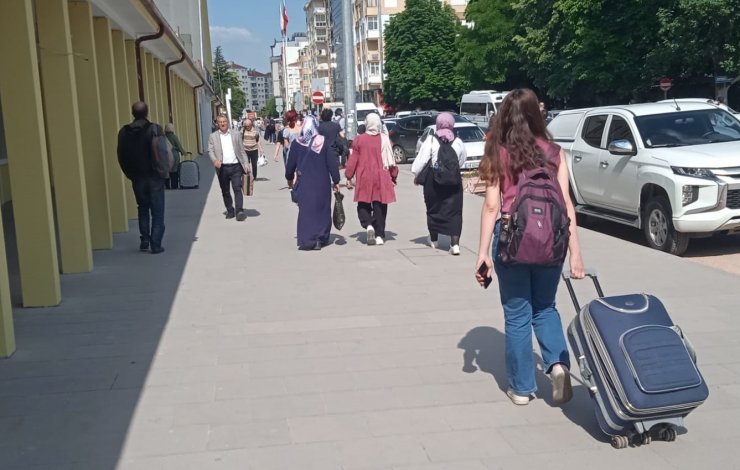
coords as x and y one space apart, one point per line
421 58
488 55
270 109
225 78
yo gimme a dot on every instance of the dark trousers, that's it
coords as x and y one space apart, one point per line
373 214
173 182
230 177
253 156
149 192
454 239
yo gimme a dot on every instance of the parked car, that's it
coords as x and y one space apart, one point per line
672 170
409 129
472 137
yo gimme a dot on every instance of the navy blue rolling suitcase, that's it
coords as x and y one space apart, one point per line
638 365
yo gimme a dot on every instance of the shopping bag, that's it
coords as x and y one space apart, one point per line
338 216
262 160
248 184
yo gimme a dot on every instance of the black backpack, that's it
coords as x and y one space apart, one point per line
134 150
447 169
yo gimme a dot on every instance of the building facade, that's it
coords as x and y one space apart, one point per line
318 18
257 86
278 68
336 49
71 71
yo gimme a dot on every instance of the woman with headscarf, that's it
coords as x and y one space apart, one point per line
312 169
372 162
288 135
177 152
444 203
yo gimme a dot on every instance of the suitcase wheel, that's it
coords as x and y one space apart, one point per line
620 442
646 438
666 433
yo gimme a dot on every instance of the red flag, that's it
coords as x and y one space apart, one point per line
284 20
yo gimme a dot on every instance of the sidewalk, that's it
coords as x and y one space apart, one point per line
233 350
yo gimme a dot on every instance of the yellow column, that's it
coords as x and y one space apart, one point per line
110 115
151 90
124 108
7 330
64 141
176 105
133 84
164 115
88 103
25 142
189 118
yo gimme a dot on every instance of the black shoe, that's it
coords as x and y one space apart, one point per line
230 215
157 250
144 245
240 216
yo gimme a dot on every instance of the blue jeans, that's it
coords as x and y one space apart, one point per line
528 299
149 192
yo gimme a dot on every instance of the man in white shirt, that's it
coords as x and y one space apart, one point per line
226 150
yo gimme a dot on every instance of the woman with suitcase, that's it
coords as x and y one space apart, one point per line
177 152
518 147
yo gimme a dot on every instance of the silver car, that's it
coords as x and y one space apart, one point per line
472 137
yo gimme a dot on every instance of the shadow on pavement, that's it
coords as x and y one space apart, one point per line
484 348
70 393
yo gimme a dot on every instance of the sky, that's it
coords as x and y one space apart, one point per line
245 29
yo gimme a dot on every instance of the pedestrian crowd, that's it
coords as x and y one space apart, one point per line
520 157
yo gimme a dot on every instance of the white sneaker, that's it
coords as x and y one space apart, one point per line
431 243
455 250
562 391
370 235
518 400
379 241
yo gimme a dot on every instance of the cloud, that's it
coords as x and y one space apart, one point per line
221 34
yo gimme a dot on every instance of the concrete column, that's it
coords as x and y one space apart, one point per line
162 87
64 140
88 103
151 90
110 117
133 89
124 108
25 141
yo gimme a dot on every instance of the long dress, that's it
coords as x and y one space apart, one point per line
444 203
316 172
373 182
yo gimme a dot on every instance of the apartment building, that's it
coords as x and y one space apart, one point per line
277 65
319 51
257 86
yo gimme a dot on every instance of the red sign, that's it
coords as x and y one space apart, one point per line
665 84
317 97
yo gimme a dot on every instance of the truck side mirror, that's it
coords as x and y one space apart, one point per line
622 147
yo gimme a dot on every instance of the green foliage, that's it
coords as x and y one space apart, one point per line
421 58
270 110
225 78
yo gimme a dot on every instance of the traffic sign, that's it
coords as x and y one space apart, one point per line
665 83
317 97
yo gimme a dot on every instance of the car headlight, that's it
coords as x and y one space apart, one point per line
693 172
689 194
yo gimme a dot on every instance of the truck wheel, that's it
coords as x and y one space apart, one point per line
658 227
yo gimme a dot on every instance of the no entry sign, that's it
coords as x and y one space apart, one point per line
317 97
665 83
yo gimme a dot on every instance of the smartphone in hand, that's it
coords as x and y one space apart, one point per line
483 271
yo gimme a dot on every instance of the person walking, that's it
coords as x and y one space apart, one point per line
289 133
339 119
226 150
372 162
135 156
520 142
311 170
444 203
252 144
269 131
333 134
177 153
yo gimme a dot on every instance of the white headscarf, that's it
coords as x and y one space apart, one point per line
374 126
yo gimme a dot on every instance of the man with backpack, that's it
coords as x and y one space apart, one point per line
136 156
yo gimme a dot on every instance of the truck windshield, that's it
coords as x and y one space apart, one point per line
362 114
706 126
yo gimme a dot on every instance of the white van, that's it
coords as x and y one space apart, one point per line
478 106
363 109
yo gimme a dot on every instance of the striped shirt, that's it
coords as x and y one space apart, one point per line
250 138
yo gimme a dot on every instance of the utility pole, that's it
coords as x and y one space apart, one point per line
349 65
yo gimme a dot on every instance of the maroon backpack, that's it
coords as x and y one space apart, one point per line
538 227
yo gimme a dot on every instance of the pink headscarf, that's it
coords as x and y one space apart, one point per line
445 124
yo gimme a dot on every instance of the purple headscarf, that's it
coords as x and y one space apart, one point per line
445 124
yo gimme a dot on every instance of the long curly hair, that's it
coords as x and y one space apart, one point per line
516 127
291 117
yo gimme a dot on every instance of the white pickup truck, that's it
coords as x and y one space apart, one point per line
670 169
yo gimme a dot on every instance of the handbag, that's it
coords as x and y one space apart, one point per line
338 217
248 184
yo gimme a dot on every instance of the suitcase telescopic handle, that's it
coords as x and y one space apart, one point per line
569 284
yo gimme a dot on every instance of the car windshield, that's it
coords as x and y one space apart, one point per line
706 126
469 134
362 114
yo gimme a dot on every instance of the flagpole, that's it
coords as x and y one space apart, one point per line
284 24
